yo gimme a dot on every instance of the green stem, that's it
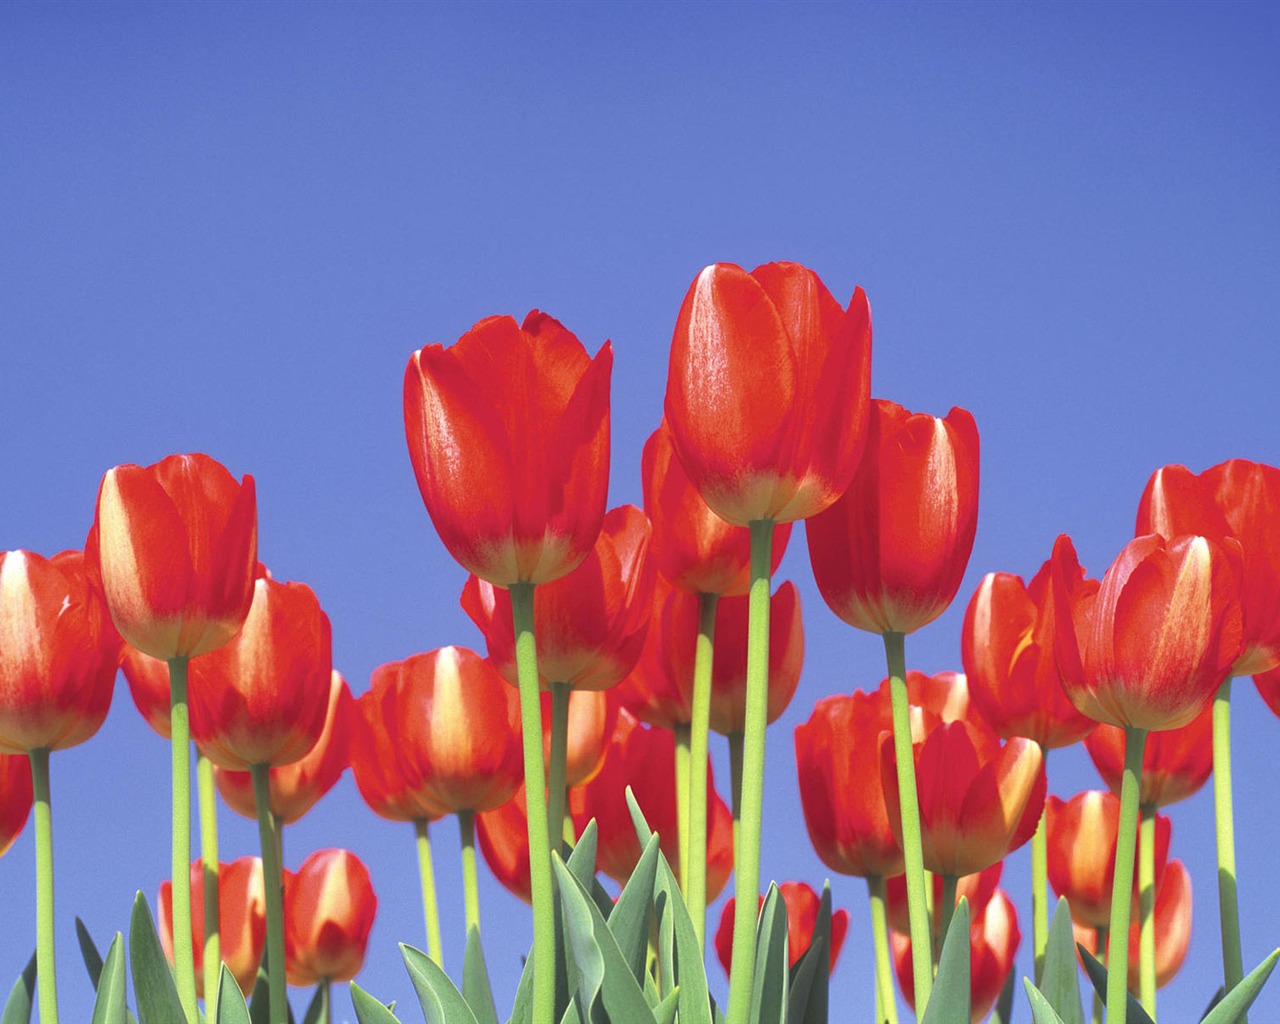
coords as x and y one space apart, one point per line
681 730
1122 888
886 1002
950 883
430 908
559 754
184 965
535 783
211 958
325 1011
1040 889
470 889
273 886
1100 944
1147 908
735 785
696 886
904 755
747 870
46 976
1224 817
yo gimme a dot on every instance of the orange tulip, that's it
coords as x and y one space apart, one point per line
802 905
508 432
263 697
1237 499
589 625
15 797
1176 763
890 554
767 391
296 787
242 920
175 545
329 906
58 653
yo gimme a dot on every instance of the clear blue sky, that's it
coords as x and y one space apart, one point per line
225 227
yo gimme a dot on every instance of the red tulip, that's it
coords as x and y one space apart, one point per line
1008 643
1161 636
1268 684
695 550
890 554
767 391
1175 762
508 433
262 698
329 905
389 784
977 889
802 905
1237 499
242 919
590 624
296 787
1081 839
943 695
15 797
176 545
148 680
58 653
503 835
593 716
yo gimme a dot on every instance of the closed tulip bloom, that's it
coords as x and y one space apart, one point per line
296 787
1082 853
15 797
978 800
58 653
508 432
695 550
589 625
1176 763
890 554
1008 643
977 889
593 716
389 784
242 919
329 906
263 697
503 835
802 905
148 680
1162 634
176 545
943 695
767 391
1239 499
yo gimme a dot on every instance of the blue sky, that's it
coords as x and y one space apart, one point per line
225 227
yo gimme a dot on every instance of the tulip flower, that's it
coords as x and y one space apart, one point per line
943 695
802 905
15 797
242 919
977 889
148 680
329 909
1176 763
1268 684
503 835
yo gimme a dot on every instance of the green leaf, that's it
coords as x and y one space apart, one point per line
522 1006
1135 1014
1235 1004
665 1011
232 1009
89 953
475 980
370 1010
17 1008
809 977
801 984
1041 1011
769 983
949 1003
1217 998
1060 979
152 980
441 1001
629 918
109 1006
315 1008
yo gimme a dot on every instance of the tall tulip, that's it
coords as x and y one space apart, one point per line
329 909
802 905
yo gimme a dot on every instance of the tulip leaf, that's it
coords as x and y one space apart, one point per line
89 952
232 1009
665 1011
17 1008
441 1002
475 980
666 940
809 977
522 1005
949 1003
1059 979
770 983
1135 1014
1217 998
629 918
109 1005
315 1009
370 1010
153 986
1041 1010
1235 1004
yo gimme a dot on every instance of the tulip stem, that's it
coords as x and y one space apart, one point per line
696 884
1224 818
324 1016
273 887
1135 740
211 958
681 731
912 849
1040 890
46 976
535 783
947 910
430 908
470 889
184 965
1100 944
735 784
1146 908
559 754
886 1002
747 869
